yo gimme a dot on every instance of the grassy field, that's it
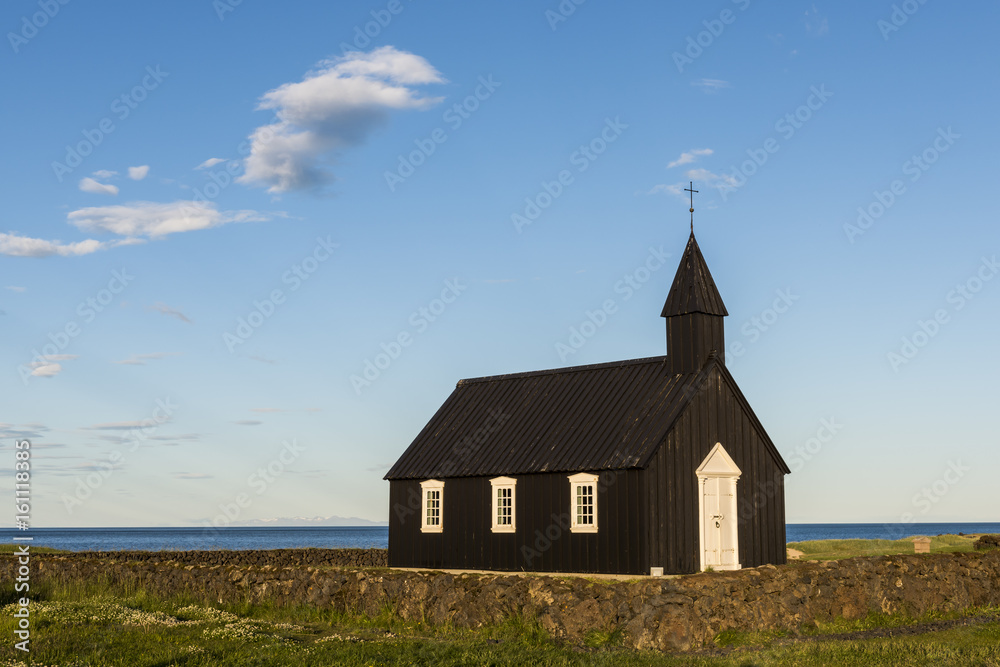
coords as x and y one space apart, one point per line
94 624
836 549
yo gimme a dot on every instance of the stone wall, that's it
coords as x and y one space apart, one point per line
665 614
260 558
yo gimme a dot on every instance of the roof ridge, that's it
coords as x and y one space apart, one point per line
556 371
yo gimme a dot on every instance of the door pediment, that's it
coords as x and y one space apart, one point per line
718 463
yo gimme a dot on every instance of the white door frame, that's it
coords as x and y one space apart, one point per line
718 465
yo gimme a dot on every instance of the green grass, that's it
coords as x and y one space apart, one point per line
836 549
93 623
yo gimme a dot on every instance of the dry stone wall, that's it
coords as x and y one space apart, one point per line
664 614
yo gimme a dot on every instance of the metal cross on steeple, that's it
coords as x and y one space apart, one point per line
691 189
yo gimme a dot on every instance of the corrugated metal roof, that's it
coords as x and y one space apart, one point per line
608 416
693 289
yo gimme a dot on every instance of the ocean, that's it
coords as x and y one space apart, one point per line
327 537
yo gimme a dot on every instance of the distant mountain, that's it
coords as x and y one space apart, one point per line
310 521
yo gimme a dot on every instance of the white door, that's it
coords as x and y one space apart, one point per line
712 524
718 529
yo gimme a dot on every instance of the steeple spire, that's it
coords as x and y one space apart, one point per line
694 314
690 188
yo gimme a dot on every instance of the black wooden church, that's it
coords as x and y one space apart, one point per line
645 466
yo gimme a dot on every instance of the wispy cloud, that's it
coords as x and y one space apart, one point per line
263 360
816 23
689 157
48 366
164 309
710 178
141 359
248 422
90 185
156 220
334 107
210 162
14 288
711 85
104 173
14 245
267 410
668 188
191 475
138 173
123 426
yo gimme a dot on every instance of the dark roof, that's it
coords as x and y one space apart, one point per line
608 416
693 290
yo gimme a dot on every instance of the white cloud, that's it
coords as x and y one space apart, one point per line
163 308
816 23
191 475
88 184
104 173
138 173
140 359
47 366
124 426
334 107
14 288
711 85
153 219
14 245
689 157
698 176
671 189
210 162
248 422
709 178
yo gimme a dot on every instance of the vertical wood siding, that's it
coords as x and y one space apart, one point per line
542 541
715 415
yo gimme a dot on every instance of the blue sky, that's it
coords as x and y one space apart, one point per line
218 216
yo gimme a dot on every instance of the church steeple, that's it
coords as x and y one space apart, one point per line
694 312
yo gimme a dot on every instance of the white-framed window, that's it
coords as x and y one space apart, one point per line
583 503
504 503
431 506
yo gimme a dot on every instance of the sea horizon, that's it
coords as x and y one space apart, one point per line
198 538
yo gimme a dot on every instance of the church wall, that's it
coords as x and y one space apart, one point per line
543 541
715 415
